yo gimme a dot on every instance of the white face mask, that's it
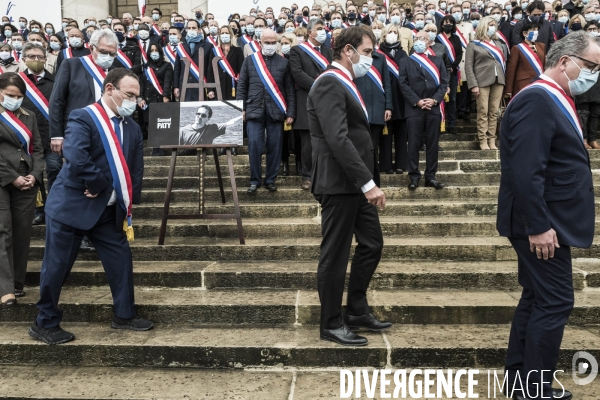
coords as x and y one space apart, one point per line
104 61
213 30
321 36
126 108
269 49
285 48
391 38
377 33
362 66
4 55
144 35
225 38
11 104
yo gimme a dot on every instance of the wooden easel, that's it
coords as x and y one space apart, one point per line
201 85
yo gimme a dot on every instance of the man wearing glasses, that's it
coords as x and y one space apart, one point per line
78 84
201 132
545 207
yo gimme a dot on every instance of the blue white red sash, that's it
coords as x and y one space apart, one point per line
513 22
171 54
428 65
411 25
67 53
23 133
151 76
94 70
123 59
224 63
414 32
560 98
315 55
345 25
193 67
532 57
254 46
493 50
376 77
440 13
391 64
463 41
156 30
305 20
144 55
269 81
1 70
503 38
35 96
16 56
348 84
450 52
429 52
116 160
212 41
246 39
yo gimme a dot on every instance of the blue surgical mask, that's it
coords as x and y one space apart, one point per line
584 81
179 25
474 22
532 36
8 33
11 104
75 42
55 46
491 30
282 21
321 36
173 39
126 108
155 55
250 29
289 29
336 23
395 19
432 36
49 31
419 24
362 66
457 16
381 18
420 47
155 17
104 61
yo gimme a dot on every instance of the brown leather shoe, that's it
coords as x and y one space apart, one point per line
595 145
305 185
587 146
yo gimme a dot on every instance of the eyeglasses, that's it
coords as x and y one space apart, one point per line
31 57
202 115
594 69
106 52
128 96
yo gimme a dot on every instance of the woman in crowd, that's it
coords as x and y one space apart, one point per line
377 27
389 45
55 45
289 27
588 103
454 51
19 176
287 41
49 30
562 18
576 23
235 58
526 61
485 62
301 34
235 30
7 61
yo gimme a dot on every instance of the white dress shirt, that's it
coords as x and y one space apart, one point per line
111 114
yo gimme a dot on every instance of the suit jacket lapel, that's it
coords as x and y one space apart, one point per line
12 134
125 140
91 82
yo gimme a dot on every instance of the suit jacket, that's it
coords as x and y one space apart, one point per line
519 72
132 51
377 102
236 59
304 71
481 67
73 88
45 86
86 167
545 33
416 84
397 96
179 69
546 181
342 150
80 52
11 149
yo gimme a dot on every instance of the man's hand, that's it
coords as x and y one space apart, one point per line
21 183
475 91
56 145
166 99
387 115
31 180
142 104
543 244
289 120
176 92
89 195
376 197
210 95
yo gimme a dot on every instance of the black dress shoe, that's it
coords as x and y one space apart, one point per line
559 395
252 189
343 336
271 187
423 148
367 321
399 171
286 169
434 184
55 335
39 219
87 246
389 172
413 184
19 293
451 130
135 324
298 168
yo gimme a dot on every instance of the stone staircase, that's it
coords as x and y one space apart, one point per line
446 280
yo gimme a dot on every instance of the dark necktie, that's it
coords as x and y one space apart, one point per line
145 45
116 123
318 49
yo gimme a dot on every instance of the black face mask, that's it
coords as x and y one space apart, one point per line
299 19
327 16
235 31
165 32
120 36
305 13
535 18
576 26
352 16
447 28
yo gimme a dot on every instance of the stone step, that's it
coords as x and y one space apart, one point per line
492 275
273 306
193 346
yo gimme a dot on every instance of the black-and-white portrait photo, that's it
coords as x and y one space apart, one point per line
210 122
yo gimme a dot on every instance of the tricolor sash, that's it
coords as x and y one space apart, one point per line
392 66
95 71
123 59
144 55
246 39
67 53
151 76
532 57
116 159
315 55
23 133
513 22
449 48
430 52
493 50
560 98
463 41
411 25
348 84
171 54
1 70
269 81
305 20
344 25
440 13
414 32
428 65
224 63
193 67
255 46
212 40
36 97
156 30
375 76
503 38
16 56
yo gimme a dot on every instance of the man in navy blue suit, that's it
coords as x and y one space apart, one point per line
545 206
86 199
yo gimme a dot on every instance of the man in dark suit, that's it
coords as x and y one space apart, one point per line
423 82
76 47
535 13
306 66
546 206
88 197
23 27
342 182
75 87
34 57
129 46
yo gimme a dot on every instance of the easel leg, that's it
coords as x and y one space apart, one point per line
236 203
165 217
219 175
201 157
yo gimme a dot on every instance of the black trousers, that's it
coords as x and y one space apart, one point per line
463 100
376 133
426 127
539 321
343 216
396 132
305 153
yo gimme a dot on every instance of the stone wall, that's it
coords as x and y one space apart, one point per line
131 6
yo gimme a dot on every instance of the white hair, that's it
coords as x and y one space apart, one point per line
111 38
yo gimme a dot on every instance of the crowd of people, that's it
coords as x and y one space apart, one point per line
431 62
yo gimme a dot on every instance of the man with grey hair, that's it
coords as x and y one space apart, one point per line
545 207
307 61
127 20
79 84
